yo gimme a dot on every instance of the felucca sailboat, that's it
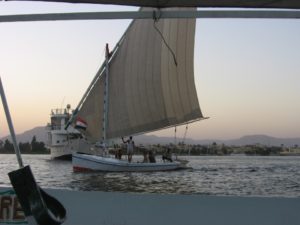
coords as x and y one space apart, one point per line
145 84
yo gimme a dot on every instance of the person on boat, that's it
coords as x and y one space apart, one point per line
101 148
145 154
118 153
130 146
167 156
151 157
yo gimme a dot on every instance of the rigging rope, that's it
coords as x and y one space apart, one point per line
182 145
184 137
185 132
175 142
175 137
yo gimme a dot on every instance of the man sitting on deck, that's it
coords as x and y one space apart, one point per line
118 153
151 156
167 156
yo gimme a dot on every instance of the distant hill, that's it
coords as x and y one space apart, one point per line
39 132
245 140
41 135
264 140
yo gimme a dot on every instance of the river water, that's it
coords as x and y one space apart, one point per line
209 175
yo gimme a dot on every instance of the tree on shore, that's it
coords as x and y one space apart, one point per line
8 147
33 147
36 146
25 147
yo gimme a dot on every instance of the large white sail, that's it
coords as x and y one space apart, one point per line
149 88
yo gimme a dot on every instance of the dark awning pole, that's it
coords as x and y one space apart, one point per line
10 125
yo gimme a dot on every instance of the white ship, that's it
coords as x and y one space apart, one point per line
62 142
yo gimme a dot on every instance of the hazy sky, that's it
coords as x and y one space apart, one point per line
247 72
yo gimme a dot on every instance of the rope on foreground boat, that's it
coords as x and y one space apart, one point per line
156 17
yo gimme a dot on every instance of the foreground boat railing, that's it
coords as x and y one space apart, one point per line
39 207
221 14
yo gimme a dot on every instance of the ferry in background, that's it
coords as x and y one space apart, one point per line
63 142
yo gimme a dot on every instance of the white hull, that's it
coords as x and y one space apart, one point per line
66 151
84 162
60 152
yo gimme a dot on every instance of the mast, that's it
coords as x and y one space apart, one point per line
105 102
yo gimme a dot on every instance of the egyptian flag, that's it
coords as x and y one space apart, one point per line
80 124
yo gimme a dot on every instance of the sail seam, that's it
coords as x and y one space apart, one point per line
188 24
170 80
177 70
147 91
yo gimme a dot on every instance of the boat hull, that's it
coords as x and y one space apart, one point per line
65 151
85 162
60 152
